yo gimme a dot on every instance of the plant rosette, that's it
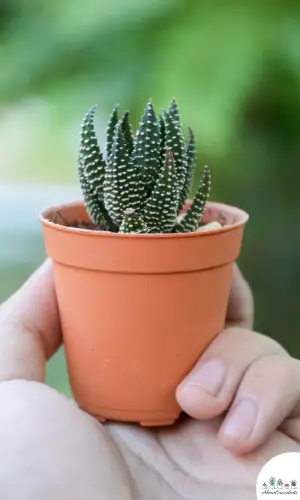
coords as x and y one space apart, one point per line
142 278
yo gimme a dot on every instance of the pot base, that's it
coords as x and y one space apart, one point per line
160 423
144 418
143 423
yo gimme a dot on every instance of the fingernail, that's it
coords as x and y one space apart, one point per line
209 376
241 419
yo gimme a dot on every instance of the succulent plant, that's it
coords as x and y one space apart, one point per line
144 180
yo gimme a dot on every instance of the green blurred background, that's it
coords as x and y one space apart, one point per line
235 69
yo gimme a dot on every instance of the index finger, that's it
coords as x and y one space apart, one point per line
240 311
29 328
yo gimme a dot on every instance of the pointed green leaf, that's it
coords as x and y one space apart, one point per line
91 172
175 142
160 211
162 135
132 222
95 207
191 151
91 158
133 190
116 172
110 131
121 184
191 154
146 152
192 219
127 131
174 110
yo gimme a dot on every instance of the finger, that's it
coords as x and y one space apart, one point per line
29 328
240 311
291 425
268 393
211 386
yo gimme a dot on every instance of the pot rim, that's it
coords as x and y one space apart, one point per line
241 215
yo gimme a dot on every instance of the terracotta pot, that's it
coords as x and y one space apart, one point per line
137 311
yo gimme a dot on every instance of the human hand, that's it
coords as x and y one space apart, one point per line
50 449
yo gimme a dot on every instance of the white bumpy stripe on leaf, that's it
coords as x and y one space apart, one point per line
146 152
192 219
175 142
90 200
110 131
191 155
162 136
132 222
92 162
133 191
160 211
127 131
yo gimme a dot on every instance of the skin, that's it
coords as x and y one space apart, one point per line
243 396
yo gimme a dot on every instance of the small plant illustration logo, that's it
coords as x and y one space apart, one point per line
279 483
274 485
280 476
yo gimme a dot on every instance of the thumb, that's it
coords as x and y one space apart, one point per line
29 328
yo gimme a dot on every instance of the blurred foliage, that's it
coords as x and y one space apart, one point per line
234 68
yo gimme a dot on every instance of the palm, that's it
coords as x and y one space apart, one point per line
186 461
58 451
55 450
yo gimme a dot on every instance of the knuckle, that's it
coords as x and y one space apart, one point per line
246 339
280 368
